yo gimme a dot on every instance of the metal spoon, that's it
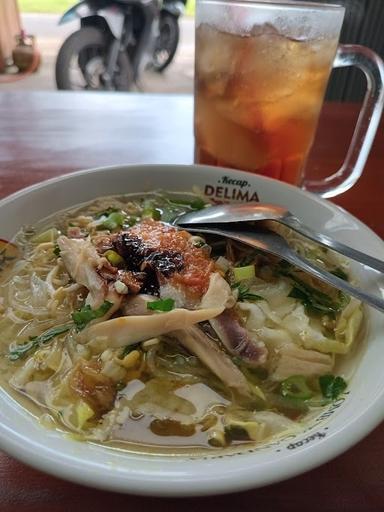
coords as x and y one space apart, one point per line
275 244
242 212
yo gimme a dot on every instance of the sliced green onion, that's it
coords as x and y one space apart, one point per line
161 305
150 211
243 273
114 258
113 221
106 212
296 387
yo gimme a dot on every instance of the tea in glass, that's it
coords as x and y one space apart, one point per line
258 95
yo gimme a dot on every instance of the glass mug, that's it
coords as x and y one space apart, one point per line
261 71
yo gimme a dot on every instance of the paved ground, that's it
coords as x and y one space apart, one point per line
177 78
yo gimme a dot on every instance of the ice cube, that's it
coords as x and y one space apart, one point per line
266 28
216 51
225 139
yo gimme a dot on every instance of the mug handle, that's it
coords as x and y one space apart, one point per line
373 67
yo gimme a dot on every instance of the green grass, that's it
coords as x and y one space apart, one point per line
190 10
59 6
46 6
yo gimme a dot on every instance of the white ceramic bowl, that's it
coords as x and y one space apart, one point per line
332 432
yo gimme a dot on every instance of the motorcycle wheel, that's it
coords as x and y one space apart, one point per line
167 42
80 63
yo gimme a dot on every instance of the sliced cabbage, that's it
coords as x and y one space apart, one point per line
309 335
259 425
292 360
349 323
255 316
279 320
276 293
274 338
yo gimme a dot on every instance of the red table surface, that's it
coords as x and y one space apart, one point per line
43 135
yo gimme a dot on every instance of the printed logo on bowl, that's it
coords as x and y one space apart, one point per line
227 189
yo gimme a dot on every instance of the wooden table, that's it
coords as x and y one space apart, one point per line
47 134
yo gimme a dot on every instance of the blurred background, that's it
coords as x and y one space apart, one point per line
36 21
30 39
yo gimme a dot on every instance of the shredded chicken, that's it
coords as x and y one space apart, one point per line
129 330
81 261
198 343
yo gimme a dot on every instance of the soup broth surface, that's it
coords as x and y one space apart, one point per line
121 329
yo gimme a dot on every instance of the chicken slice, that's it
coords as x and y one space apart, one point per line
235 338
128 330
81 260
199 344
238 340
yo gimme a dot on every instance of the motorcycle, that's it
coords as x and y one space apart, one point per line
117 40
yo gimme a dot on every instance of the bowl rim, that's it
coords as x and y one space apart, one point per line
235 479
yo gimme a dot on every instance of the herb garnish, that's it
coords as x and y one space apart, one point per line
35 342
86 314
81 318
245 294
314 301
331 386
161 305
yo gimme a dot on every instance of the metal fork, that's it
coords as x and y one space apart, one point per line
275 244
243 212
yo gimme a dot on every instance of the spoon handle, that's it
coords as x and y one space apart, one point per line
279 246
339 247
333 280
275 244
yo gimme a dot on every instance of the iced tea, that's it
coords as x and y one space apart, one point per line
257 99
